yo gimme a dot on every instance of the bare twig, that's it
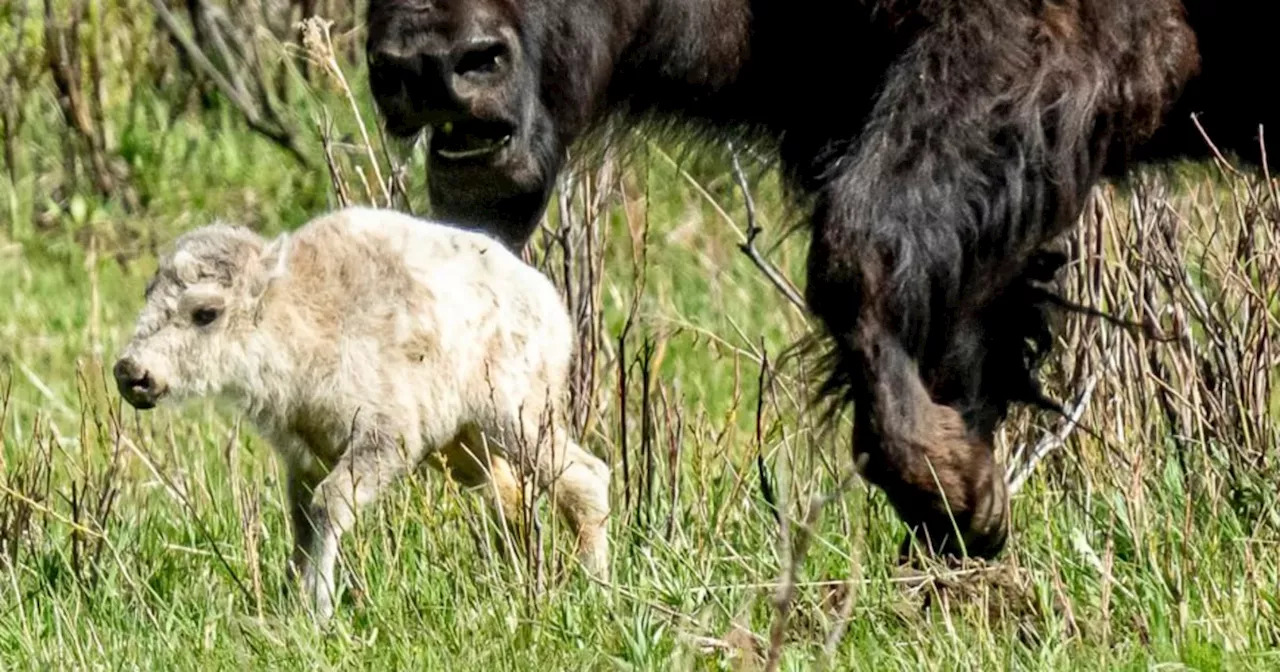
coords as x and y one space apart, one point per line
17 78
258 111
319 47
1024 462
64 60
753 230
766 489
784 597
325 125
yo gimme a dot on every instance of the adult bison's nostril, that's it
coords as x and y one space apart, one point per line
403 65
136 384
409 86
481 56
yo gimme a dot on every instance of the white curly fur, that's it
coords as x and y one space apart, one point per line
363 343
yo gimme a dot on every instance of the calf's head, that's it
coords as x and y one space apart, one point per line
201 306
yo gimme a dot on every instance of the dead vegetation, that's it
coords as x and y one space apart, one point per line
1181 408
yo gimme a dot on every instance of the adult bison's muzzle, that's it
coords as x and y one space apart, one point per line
461 70
458 73
418 86
136 384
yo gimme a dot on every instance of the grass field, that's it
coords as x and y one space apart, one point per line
157 540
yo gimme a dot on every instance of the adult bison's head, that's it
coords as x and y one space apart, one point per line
473 72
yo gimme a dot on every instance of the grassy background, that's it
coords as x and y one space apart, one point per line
156 540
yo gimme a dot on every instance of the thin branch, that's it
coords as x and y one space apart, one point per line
254 116
18 78
1017 475
766 490
315 32
753 229
202 62
785 595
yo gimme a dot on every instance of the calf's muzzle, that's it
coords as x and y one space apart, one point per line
136 384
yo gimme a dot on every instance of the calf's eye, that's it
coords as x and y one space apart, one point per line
204 316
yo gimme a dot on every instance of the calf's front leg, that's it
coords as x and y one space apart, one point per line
301 485
375 457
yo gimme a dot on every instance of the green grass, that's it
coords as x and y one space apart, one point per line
1113 565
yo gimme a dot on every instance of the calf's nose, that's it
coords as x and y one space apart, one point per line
136 385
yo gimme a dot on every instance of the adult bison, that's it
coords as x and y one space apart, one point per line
939 146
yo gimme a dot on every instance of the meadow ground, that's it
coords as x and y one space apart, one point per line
157 540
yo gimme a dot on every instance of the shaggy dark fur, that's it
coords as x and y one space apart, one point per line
940 146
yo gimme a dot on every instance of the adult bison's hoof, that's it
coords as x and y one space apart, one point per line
983 530
976 545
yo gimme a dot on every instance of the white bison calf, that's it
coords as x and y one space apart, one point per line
361 344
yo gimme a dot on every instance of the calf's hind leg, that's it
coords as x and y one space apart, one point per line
577 481
578 484
580 491
473 466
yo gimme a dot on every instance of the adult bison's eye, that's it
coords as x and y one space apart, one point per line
204 316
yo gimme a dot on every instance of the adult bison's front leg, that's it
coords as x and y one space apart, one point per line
940 475
931 234
914 364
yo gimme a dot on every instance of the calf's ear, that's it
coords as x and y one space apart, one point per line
273 264
186 267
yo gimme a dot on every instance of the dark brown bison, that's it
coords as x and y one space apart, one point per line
938 147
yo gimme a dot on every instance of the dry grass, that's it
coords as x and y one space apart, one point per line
742 542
